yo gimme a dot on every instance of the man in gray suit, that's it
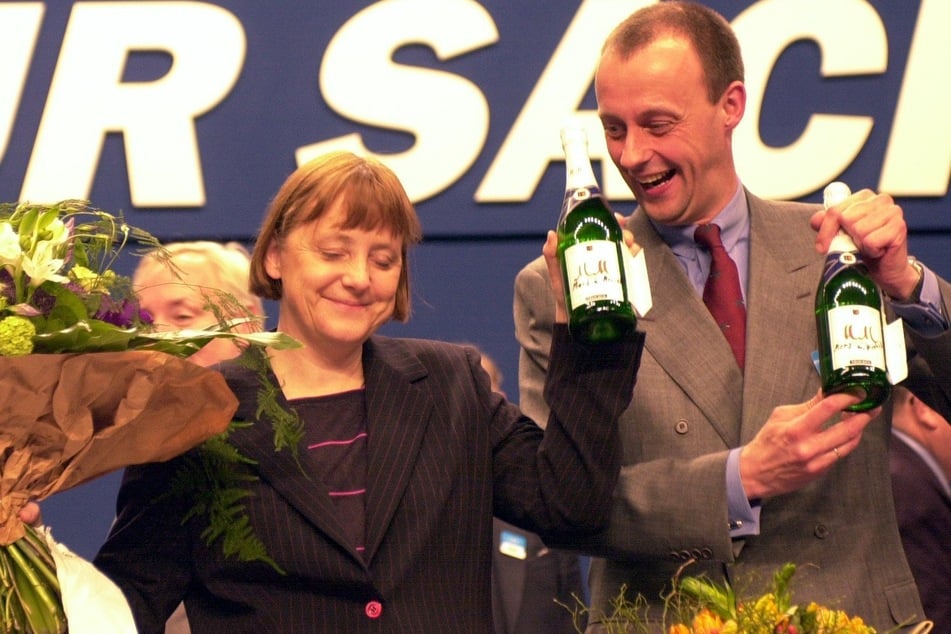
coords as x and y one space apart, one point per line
739 469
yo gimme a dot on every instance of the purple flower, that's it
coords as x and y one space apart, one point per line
7 287
43 301
124 314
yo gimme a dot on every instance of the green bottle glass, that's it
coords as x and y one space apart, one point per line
589 250
850 321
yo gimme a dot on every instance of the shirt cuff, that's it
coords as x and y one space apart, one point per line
926 317
743 513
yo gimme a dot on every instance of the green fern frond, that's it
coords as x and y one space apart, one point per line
287 426
214 479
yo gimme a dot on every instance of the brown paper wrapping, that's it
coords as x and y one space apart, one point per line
68 418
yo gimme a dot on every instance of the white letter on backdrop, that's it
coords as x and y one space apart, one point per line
448 114
918 158
88 99
534 142
852 39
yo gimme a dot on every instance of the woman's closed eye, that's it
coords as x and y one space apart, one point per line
332 255
385 262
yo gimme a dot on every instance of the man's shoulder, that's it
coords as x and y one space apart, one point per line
770 207
534 267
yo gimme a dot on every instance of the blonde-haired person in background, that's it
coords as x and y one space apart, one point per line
179 287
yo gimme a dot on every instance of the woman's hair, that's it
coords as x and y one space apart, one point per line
711 35
204 263
372 198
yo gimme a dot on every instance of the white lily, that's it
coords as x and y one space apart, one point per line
42 264
10 251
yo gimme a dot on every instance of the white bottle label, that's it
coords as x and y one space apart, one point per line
855 333
593 273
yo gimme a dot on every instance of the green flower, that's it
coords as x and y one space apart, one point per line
91 281
16 336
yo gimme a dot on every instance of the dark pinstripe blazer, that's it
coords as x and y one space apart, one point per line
692 404
444 453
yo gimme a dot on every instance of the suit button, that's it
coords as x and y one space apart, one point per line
821 531
373 609
681 427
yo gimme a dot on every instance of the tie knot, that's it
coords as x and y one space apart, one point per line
708 236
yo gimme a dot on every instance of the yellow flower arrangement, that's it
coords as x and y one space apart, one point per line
698 605
717 610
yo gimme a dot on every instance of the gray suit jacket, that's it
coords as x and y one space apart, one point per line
444 453
692 405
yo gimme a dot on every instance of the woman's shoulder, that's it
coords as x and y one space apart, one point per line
239 376
427 351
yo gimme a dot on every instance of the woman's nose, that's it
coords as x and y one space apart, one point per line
357 274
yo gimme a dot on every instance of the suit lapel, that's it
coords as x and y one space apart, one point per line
679 321
297 483
784 272
398 413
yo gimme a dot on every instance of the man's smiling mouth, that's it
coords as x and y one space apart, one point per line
657 180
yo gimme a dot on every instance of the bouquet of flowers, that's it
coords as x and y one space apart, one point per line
712 607
700 606
71 416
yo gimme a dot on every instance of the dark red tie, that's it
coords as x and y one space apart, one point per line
722 293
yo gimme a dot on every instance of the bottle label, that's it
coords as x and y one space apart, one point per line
593 273
855 333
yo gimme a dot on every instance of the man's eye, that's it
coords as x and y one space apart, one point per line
613 131
659 127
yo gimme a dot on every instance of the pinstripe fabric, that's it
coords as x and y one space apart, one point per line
444 453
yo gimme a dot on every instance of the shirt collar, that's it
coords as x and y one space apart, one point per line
733 220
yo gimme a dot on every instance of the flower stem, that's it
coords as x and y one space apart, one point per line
31 588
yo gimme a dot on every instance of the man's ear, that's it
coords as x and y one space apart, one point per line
733 103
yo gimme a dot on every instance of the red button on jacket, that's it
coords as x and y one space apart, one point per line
373 609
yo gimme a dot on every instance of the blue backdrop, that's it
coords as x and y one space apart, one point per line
187 116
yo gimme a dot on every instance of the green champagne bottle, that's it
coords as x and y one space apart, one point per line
849 321
589 250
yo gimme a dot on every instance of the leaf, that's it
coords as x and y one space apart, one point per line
86 336
276 340
718 598
213 479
